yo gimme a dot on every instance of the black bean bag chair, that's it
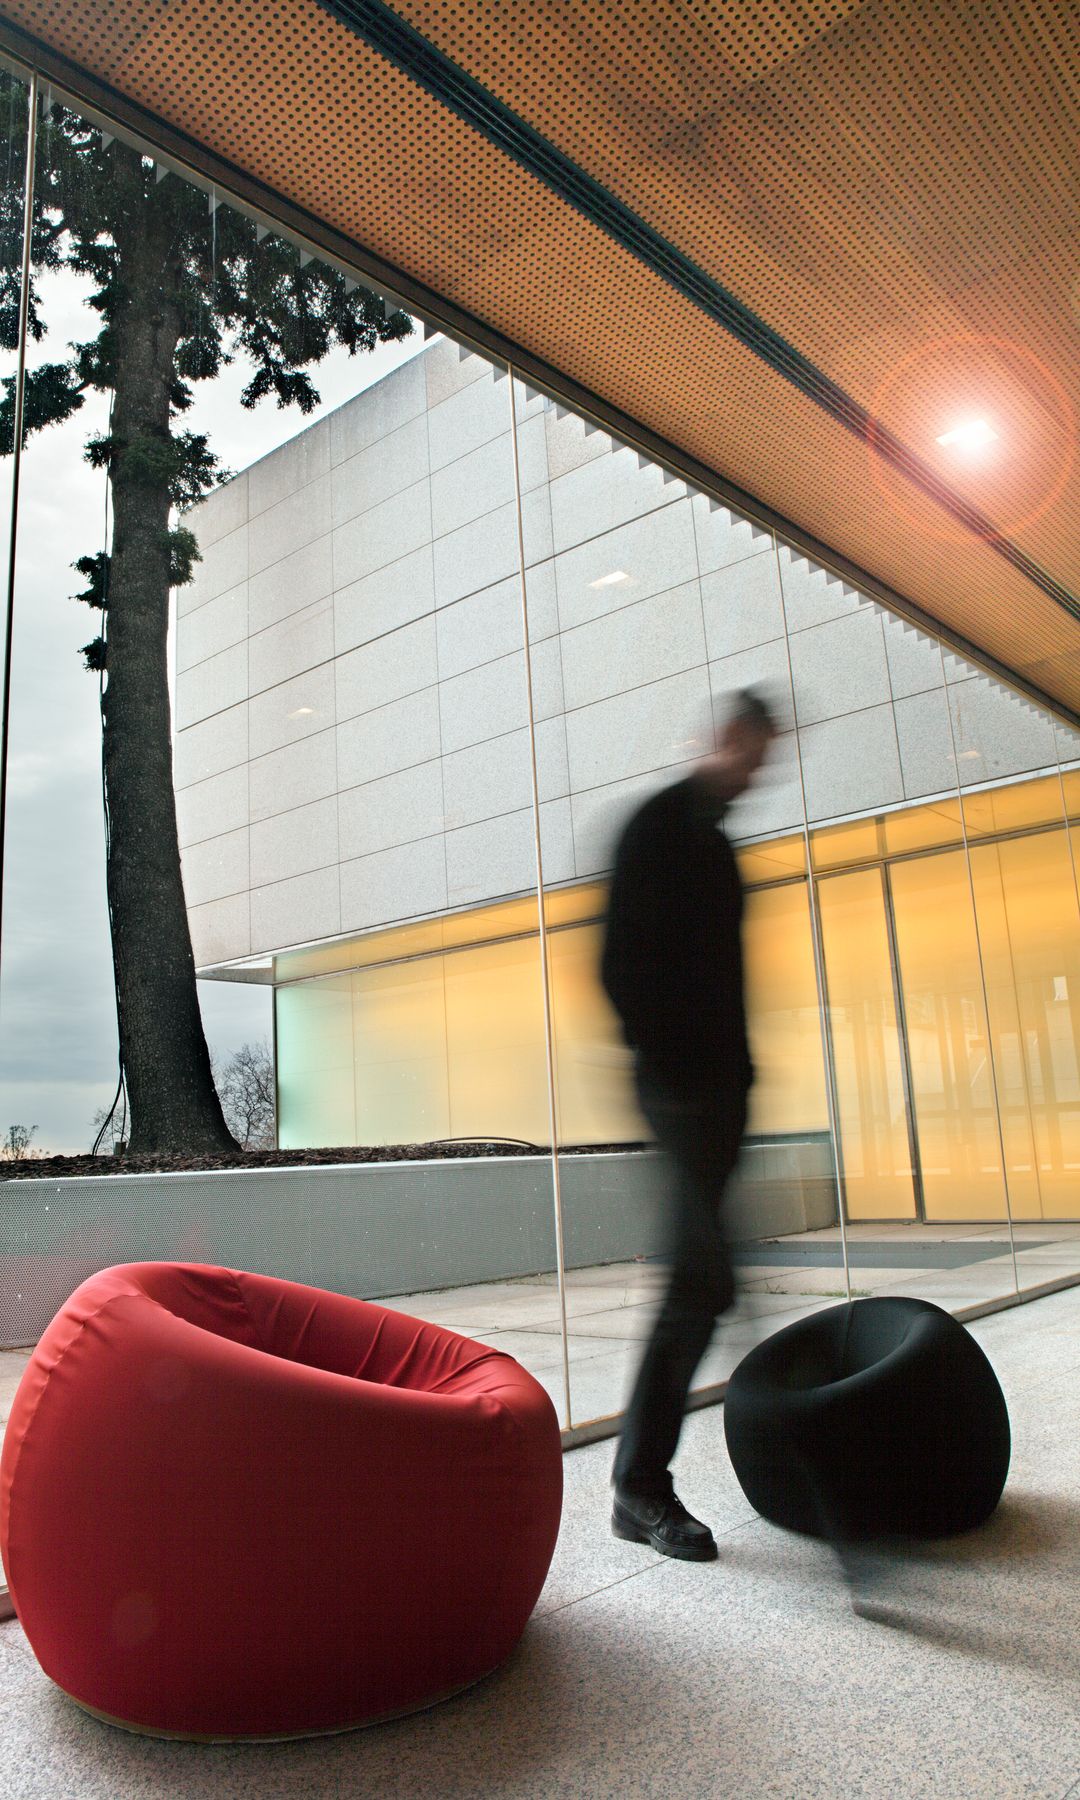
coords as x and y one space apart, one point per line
880 1418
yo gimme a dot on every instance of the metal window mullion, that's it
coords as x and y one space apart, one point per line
16 470
545 959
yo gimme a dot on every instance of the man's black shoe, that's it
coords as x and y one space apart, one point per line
664 1523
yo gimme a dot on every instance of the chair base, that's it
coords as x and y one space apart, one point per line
267 1737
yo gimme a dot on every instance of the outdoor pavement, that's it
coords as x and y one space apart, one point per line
609 1310
750 1678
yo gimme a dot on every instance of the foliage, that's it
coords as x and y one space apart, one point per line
111 1128
164 246
179 287
17 1144
248 1095
246 1087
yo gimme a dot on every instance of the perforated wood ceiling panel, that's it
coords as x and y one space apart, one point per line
888 190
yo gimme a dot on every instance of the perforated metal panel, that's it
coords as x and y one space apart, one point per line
891 188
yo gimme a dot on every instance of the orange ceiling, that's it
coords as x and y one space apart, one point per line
889 189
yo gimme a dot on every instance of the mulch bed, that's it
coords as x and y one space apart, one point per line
51 1168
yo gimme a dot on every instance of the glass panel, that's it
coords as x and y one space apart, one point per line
923 828
1014 760
885 722
867 1049
776 859
350 759
13 119
1019 807
789 1099
1026 900
959 1149
649 607
59 1012
861 842
316 1077
595 1097
426 989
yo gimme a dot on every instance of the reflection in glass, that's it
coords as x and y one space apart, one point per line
953 1090
13 156
1023 876
653 605
351 756
393 878
1026 903
864 1032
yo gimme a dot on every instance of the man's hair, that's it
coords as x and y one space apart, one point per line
751 706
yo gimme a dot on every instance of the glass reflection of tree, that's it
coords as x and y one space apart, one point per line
181 286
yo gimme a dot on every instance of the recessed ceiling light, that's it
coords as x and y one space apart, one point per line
973 434
301 712
610 580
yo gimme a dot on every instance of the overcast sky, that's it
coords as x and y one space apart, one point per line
57 1010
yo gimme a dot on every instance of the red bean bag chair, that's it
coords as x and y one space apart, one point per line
238 1507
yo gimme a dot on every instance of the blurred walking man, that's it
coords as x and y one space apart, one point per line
672 967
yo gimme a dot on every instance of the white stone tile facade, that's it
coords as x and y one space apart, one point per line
352 745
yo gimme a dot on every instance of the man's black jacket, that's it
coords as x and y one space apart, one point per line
672 962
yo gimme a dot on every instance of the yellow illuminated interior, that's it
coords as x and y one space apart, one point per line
1027 908
451 1044
1015 808
952 1075
435 1029
837 846
783 1014
872 1114
776 860
922 828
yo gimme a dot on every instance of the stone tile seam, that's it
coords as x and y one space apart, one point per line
577 544
434 612
402 844
652 1562
606 1587
439 724
702 577
565 713
319 536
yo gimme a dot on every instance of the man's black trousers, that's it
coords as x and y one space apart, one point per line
701 1138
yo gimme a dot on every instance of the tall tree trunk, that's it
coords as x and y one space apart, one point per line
174 1105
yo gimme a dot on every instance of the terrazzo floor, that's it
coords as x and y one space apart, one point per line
747 1677
610 1308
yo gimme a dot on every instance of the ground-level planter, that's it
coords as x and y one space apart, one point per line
378 1228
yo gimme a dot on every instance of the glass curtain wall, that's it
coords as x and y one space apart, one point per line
1020 839
916 1116
912 1006
352 774
438 643
13 151
635 647
419 1025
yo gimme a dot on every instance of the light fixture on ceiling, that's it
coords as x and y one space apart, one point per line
302 712
972 434
616 575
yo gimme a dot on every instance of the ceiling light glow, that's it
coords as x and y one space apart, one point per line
973 434
610 580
